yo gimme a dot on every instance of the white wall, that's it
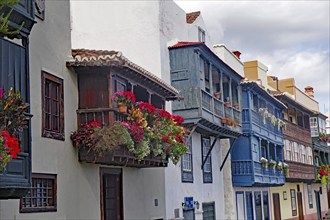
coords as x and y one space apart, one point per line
202 192
229 58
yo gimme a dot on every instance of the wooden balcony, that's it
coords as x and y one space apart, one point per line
121 156
251 173
201 108
300 172
298 133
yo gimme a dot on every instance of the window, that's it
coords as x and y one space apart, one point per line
258 206
255 102
313 124
187 163
208 211
201 35
42 195
322 126
52 107
207 169
293 202
266 208
310 196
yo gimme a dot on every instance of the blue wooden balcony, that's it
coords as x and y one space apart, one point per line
201 108
252 173
254 122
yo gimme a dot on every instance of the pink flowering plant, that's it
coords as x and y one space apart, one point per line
147 131
126 98
12 121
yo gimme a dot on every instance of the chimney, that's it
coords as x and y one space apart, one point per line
237 54
309 91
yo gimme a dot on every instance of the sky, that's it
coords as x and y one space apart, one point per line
290 37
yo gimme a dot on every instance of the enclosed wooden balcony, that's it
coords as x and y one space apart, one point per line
298 132
209 90
100 75
300 172
119 157
252 173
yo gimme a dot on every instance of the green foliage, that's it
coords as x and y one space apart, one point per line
111 138
4 19
12 111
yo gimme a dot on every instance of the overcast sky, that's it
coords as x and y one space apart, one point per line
290 37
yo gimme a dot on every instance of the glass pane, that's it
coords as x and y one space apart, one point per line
266 212
257 201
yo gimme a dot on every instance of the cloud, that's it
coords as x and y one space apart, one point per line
290 37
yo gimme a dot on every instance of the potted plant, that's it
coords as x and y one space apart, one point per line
236 105
279 166
124 100
286 169
13 119
264 162
324 174
217 95
224 120
272 164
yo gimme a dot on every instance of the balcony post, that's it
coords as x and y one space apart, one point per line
276 156
268 150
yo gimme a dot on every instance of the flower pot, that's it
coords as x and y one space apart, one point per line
122 108
236 106
217 95
227 104
224 120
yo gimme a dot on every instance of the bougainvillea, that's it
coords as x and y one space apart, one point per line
324 174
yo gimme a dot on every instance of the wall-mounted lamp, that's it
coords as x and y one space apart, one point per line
196 203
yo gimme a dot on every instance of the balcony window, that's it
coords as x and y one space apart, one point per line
216 81
255 102
234 92
306 122
157 101
141 94
314 126
225 86
322 128
300 120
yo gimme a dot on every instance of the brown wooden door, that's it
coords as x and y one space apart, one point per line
111 194
277 206
300 206
329 199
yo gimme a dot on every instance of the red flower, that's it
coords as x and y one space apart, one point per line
95 124
11 144
323 172
164 113
178 119
147 107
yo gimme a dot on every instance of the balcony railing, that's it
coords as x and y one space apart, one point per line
298 132
258 120
300 171
217 108
251 173
119 157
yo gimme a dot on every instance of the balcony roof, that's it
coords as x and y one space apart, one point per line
261 90
202 46
105 58
283 96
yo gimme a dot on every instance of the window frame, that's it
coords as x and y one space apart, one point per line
187 176
207 174
293 198
310 195
201 35
53 208
51 133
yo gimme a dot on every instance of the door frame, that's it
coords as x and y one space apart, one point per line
277 209
113 171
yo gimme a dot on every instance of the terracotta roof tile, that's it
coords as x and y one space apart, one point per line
192 16
85 57
185 43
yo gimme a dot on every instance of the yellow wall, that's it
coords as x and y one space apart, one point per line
286 211
251 70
